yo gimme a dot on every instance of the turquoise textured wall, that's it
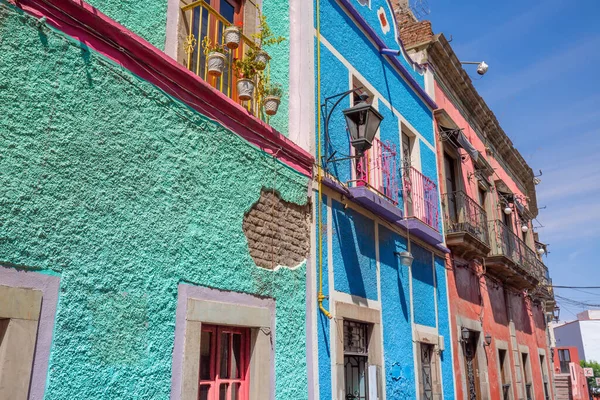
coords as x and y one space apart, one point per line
125 193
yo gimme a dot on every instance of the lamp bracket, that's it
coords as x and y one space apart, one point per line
327 113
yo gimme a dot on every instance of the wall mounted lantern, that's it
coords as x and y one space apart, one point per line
556 313
406 258
362 122
524 228
465 334
507 210
488 340
541 251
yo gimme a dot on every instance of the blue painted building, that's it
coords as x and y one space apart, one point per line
380 327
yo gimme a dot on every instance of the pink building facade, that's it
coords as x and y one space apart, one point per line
499 288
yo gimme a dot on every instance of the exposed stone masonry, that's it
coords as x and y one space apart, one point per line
277 231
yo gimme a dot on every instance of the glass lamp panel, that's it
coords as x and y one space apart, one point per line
352 127
372 124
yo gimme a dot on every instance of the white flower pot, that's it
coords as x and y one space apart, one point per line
245 89
261 59
232 37
216 63
271 104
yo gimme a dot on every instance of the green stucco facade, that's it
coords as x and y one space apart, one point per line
125 192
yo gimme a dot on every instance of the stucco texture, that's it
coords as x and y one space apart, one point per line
148 19
346 37
353 252
395 313
125 193
423 286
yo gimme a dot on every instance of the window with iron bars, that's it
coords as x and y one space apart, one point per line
356 356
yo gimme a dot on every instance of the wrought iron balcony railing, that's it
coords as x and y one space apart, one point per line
376 169
505 243
205 22
463 214
420 197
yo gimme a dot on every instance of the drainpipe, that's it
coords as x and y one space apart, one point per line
320 297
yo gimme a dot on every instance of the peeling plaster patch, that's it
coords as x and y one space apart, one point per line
277 231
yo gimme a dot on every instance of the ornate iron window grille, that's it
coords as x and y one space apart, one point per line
426 375
356 360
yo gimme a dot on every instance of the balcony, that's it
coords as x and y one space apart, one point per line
203 21
376 185
511 260
420 198
545 285
376 170
465 224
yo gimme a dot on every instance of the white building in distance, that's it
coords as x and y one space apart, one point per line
583 333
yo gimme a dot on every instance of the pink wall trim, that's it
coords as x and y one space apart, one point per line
48 285
89 26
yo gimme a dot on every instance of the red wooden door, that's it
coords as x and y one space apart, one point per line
224 362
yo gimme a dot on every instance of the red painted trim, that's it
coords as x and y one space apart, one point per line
89 26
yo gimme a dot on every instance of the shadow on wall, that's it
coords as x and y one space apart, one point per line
539 318
389 241
467 284
497 302
520 311
351 246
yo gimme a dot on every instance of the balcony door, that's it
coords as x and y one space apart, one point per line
406 164
208 20
564 359
451 188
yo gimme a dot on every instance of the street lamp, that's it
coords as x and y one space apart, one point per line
465 334
482 67
488 340
406 258
363 121
556 313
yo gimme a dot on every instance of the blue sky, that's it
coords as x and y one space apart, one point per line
544 87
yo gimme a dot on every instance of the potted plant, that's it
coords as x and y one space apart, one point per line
232 36
264 38
246 72
216 57
271 94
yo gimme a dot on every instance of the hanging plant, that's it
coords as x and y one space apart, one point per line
271 94
232 36
216 57
246 70
264 38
